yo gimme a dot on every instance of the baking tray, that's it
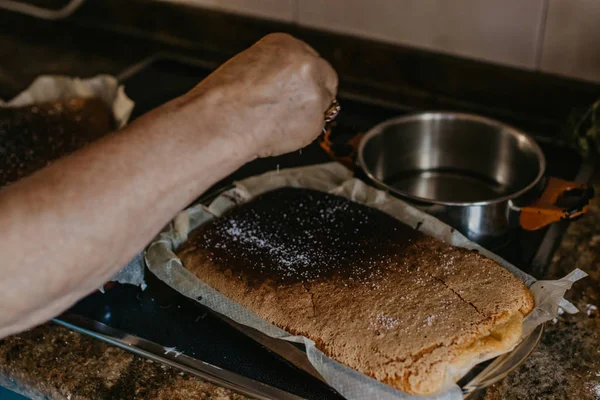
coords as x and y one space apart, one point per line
163 319
173 357
481 376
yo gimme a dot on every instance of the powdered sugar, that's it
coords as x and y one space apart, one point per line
305 235
429 320
384 321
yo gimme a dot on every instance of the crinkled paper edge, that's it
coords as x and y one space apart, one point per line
335 179
48 88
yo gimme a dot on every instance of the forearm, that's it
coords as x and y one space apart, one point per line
65 230
68 228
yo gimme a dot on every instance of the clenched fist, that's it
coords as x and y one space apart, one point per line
272 96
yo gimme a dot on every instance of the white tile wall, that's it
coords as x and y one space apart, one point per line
572 41
274 9
558 36
498 31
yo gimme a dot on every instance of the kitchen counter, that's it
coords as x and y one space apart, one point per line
566 363
51 362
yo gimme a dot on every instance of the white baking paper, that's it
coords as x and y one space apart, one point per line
48 88
335 179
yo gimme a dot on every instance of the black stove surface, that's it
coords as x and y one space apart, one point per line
161 315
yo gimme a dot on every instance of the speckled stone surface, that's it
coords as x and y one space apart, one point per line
566 363
52 362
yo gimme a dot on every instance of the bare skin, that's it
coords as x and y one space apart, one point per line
67 229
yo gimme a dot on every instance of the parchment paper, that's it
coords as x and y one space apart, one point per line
47 88
335 179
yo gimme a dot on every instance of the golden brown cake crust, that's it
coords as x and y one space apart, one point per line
373 293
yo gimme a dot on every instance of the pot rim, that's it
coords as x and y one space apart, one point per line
378 129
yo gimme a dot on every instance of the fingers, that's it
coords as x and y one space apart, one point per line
323 75
285 40
328 81
309 49
305 46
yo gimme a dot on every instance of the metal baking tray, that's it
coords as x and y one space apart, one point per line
157 320
481 376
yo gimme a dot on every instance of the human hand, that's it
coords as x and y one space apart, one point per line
272 96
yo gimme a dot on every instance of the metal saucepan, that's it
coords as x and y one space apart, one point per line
478 175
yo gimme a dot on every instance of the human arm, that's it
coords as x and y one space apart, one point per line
68 228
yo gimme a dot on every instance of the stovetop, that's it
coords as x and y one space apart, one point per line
162 316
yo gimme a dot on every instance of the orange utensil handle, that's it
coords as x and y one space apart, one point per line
561 200
344 152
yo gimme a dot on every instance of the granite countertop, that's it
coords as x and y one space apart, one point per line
566 363
52 362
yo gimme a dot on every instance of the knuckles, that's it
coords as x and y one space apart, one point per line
279 37
296 81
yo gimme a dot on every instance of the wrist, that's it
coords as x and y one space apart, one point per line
199 122
209 120
187 140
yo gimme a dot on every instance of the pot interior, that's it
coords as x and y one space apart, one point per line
451 158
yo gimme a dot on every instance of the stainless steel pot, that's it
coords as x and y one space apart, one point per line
476 174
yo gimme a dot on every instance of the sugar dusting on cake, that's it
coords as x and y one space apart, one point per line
303 235
384 321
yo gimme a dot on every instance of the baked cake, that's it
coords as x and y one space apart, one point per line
33 136
370 291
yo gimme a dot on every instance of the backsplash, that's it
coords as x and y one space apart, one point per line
555 36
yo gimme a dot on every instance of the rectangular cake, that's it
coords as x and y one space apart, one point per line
373 293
